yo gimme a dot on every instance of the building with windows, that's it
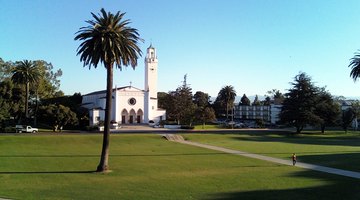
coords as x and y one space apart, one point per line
130 105
266 113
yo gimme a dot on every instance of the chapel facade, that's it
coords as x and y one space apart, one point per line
130 105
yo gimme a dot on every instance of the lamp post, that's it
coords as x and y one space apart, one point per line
232 117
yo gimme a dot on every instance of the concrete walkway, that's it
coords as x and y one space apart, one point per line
330 170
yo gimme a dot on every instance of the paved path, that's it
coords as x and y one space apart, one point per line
330 170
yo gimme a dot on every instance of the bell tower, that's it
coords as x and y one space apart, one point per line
151 67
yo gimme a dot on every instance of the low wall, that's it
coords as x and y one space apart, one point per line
172 126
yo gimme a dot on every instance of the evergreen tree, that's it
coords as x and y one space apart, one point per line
299 104
245 101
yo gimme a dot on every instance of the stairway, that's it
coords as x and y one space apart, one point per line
173 137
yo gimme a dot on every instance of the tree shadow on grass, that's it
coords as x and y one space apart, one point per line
49 172
91 156
346 161
337 187
115 155
300 139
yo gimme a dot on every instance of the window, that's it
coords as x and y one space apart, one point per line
132 101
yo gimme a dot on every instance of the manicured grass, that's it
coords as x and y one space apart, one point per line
334 149
207 127
149 167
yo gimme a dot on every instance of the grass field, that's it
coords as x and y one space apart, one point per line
335 149
149 167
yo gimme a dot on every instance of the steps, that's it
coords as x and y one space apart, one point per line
173 137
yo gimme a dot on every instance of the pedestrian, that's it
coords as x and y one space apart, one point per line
294 158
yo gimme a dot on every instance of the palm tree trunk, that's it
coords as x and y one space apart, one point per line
27 101
103 165
227 111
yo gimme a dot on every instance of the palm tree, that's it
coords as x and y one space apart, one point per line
26 72
108 40
355 66
227 96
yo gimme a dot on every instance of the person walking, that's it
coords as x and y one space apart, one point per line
293 157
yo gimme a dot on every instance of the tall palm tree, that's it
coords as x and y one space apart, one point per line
355 66
108 40
26 72
227 96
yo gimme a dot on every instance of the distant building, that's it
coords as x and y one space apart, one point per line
267 113
130 104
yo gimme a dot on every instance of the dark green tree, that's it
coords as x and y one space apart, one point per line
58 116
163 100
5 69
204 113
351 115
256 101
49 83
8 104
109 40
276 96
201 99
226 97
184 108
245 101
327 109
298 108
348 116
267 101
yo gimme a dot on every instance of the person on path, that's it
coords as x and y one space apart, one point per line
293 157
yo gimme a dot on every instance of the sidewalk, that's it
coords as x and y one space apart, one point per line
330 170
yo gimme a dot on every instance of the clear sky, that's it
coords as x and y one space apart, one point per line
253 45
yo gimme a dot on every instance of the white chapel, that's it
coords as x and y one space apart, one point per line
130 105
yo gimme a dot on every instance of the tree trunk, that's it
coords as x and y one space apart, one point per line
322 128
103 165
27 100
299 129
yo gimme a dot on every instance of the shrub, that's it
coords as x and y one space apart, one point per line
9 129
187 127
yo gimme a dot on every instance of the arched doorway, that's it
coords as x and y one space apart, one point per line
124 116
139 116
132 116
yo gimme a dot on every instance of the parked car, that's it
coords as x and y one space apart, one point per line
25 129
240 125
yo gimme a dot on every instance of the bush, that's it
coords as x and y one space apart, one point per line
92 128
187 127
166 122
9 129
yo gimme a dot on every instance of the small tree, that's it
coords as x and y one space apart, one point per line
245 101
327 109
204 113
348 116
226 97
58 116
256 101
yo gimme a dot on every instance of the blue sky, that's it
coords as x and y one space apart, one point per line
253 45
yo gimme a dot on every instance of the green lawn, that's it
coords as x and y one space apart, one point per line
147 167
335 149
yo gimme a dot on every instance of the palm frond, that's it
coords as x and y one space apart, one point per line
355 66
